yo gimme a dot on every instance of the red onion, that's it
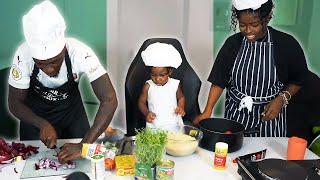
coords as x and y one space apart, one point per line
8 152
47 163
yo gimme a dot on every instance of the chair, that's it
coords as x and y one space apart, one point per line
137 75
9 125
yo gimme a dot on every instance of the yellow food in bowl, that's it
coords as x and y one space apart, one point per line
180 144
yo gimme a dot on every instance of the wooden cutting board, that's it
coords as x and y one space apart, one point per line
29 170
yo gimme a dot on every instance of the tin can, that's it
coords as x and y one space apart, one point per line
165 170
97 167
220 156
144 172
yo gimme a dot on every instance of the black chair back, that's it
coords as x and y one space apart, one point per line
137 75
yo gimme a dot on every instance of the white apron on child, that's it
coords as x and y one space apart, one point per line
162 100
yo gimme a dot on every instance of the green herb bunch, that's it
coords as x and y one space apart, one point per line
150 145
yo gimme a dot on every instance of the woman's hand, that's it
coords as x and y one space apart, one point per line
48 135
200 117
180 111
150 117
272 110
69 152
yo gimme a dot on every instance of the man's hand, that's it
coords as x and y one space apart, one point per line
48 135
150 117
180 111
272 110
69 152
200 117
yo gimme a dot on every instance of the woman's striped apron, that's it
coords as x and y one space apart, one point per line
254 77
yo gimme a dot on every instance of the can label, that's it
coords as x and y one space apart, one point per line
220 157
97 167
144 172
165 170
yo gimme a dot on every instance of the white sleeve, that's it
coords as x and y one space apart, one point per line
90 64
20 72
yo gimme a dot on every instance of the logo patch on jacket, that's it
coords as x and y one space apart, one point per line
16 73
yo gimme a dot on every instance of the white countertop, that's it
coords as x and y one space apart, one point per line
196 166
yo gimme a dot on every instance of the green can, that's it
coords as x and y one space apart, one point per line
165 170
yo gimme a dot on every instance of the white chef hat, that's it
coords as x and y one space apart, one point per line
161 55
43 28
248 4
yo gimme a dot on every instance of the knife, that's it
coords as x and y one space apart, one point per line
56 149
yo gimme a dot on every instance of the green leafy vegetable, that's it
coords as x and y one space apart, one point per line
150 145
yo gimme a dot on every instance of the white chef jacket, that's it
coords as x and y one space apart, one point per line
83 61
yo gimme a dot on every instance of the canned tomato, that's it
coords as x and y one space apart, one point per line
220 156
97 167
165 170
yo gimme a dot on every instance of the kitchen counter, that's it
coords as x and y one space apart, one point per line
196 166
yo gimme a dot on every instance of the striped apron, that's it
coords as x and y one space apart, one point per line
254 77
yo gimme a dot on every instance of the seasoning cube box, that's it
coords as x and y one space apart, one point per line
125 165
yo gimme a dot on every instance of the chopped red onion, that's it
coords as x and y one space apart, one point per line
45 163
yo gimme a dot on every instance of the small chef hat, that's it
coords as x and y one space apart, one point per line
248 4
161 55
43 28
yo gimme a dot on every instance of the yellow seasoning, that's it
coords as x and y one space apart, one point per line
220 156
125 165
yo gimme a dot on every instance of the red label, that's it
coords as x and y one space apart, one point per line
220 161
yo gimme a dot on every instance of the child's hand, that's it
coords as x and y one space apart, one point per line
150 117
180 111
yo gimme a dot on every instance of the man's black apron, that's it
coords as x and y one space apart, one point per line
61 106
254 74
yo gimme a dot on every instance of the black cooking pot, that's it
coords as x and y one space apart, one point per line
223 130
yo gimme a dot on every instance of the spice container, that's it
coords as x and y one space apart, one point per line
220 156
89 150
97 167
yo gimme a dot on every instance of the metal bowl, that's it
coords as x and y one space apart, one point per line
114 136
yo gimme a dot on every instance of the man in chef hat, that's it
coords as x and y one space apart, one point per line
43 84
163 94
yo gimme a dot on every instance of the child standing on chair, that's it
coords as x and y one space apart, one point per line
162 101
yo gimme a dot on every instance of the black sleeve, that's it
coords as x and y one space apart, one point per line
298 69
221 70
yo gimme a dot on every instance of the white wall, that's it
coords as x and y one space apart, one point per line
130 22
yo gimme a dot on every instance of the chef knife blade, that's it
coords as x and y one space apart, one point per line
56 149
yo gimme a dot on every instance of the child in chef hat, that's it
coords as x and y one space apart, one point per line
162 101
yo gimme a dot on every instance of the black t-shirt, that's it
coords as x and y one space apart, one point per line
289 59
